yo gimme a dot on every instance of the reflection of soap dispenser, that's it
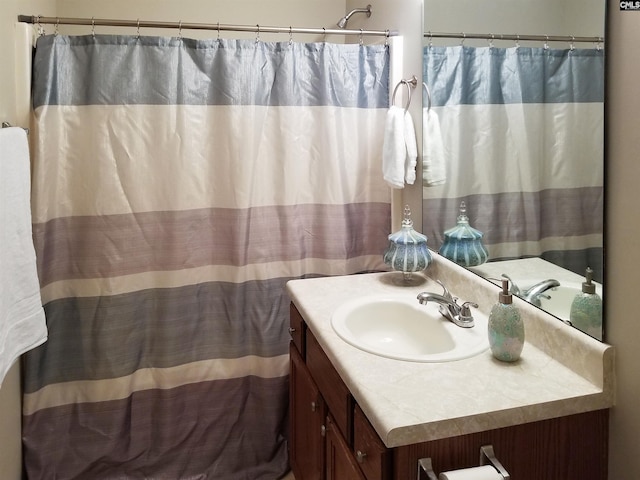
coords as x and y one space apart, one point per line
586 309
506 329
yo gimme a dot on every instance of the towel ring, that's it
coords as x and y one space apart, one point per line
395 90
426 89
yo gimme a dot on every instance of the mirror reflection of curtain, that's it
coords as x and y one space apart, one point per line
178 185
523 136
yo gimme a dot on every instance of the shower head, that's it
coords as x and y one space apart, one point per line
342 23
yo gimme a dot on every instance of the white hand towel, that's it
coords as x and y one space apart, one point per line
394 148
411 149
22 319
434 170
399 149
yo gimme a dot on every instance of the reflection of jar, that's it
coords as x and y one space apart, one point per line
407 251
463 243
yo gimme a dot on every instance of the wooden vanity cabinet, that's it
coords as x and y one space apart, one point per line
331 438
325 419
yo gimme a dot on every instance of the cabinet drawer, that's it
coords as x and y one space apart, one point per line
332 388
296 329
371 453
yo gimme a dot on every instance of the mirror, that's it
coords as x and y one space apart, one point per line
515 130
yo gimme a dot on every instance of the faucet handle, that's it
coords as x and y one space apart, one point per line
465 318
446 294
465 311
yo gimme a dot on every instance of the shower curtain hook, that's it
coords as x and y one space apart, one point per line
517 40
138 29
572 47
361 41
599 44
491 40
258 34
386 37
464 37
290 36
218 31
93 27
430 39
546 42
40 27
55 33
324 35
180 30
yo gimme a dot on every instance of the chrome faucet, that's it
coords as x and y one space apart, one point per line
532 294
449 307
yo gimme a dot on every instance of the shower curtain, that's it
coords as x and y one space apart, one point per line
523 134
177 185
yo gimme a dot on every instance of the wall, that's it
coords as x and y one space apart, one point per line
537 17
623 177
623 232
296 13
10 436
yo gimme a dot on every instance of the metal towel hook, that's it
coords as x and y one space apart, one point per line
409 84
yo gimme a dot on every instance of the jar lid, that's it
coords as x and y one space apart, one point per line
462 230
407 235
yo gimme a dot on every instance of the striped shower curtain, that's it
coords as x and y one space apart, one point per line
177 185
523 136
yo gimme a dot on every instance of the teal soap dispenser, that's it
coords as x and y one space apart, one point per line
586 308
506 328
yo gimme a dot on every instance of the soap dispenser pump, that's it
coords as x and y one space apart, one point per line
586 308
506 328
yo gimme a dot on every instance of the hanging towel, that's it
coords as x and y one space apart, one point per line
22 320
434 170
411 144
399 150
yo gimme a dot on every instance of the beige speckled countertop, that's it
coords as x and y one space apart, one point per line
561 372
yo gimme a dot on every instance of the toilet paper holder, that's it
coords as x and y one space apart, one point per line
487 457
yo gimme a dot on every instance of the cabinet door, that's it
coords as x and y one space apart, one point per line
307 412
371 453
340 463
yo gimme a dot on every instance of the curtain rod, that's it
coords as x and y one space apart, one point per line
514 37
99 22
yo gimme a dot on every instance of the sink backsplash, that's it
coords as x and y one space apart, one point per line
560 341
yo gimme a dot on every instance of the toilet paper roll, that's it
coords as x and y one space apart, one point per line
486 472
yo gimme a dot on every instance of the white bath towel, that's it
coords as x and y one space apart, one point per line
434 171
399 150
22 320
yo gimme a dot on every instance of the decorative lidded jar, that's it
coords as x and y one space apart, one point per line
463 243
407 251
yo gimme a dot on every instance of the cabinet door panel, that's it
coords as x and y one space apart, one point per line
339 401
340 463
307 411
371 452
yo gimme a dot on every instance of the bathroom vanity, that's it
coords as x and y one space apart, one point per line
357 415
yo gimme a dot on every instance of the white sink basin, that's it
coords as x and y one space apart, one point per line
399 327
561 298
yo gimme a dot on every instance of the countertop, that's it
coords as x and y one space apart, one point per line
561 371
